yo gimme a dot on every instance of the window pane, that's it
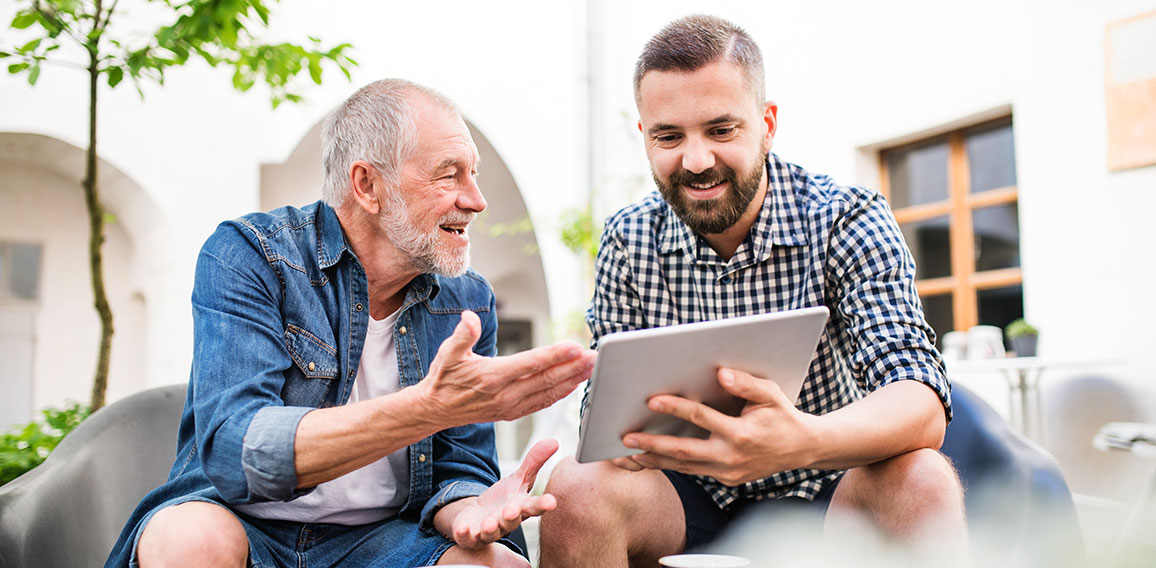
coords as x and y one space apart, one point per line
997 237
929 243
1001 306
991 158
19 271
918 174
937 311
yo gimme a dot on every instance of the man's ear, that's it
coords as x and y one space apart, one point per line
771 117
640 126
364 179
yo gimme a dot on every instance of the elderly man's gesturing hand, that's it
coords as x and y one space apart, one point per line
480 520
464 387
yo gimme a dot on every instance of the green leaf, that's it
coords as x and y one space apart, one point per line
17 67
30 46
4 54
24 19
34 74
115 75
315 68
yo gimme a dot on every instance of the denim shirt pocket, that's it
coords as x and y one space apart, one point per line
315 358
315 366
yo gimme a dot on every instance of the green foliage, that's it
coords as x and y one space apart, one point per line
579 232
25 447
218 32
1019 328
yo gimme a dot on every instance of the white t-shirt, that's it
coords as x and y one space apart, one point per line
376 491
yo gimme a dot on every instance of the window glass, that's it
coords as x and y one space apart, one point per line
997 237
918 174
25 271
930 245
938 312
991 158
1001 306
19 271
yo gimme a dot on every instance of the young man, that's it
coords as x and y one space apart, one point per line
734 230
343 368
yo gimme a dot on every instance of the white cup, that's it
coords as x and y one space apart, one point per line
703 561
985 342
954 345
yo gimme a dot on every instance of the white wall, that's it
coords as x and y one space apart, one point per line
66 328
846 75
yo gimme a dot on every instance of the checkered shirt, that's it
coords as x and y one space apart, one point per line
814 243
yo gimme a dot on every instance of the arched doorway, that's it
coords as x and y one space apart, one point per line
48 329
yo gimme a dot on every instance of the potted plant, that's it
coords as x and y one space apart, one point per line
1023 337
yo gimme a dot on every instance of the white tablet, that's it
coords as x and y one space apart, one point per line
684 359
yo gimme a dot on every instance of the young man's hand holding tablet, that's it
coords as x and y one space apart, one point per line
684 360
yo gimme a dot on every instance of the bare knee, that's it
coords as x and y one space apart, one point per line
904 495
193 534
494 555
606 514
928 477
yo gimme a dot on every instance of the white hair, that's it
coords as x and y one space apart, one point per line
375 125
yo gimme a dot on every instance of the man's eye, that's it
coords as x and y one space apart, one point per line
666 138
723 131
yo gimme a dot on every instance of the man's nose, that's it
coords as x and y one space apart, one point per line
697 156
470 198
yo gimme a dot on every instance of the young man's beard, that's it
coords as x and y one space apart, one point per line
712 216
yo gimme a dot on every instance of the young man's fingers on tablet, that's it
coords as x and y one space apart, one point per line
753 389
655 460
626 463
696 413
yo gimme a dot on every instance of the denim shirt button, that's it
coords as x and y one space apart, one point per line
359 307
312 366
352 373
402 330
421 458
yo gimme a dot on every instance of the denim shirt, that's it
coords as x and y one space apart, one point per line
280 311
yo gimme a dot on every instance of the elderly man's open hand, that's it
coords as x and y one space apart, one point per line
464 387
479 521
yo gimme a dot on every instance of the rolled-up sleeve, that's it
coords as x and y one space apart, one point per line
244 432
874 281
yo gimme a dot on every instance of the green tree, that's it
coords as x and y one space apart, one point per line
219 32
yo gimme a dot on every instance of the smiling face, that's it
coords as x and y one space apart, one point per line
426 217
707 139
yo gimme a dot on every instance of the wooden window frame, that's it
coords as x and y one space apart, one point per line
965 282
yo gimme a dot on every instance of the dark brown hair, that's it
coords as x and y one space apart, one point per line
693 42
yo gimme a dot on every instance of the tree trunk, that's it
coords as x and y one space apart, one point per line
96 239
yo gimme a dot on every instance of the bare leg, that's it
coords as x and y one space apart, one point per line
494 555
193 534
609 517
913 499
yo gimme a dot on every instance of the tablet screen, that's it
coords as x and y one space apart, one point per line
684 359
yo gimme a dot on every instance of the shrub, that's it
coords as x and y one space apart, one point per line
25 447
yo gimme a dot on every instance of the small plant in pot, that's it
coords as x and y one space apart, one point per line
1023 337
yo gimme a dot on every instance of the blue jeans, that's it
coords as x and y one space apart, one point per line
392 543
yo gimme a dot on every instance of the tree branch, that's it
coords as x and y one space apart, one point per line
101 26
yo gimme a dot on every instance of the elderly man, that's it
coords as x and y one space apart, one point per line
735 230
343 373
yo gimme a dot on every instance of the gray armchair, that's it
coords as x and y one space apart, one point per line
1019 507
69 511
